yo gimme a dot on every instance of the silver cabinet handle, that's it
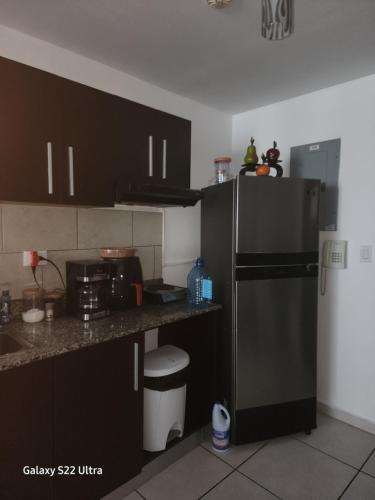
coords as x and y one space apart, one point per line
136 366
150 156
49 168
71 171
164 158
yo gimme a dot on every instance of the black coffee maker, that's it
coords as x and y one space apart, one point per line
126 283
88 288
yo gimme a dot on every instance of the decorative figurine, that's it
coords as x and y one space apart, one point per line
263 170
270 160
273 161
251 159
251 156
273 154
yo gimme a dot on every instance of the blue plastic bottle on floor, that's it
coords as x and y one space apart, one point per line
199 285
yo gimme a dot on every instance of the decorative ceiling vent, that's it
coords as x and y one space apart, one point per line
218 4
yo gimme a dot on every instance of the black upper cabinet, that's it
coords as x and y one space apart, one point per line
56 139
172 145
155 148
136 161
29 134
63 142
89 145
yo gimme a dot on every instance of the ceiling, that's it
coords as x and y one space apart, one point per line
216 57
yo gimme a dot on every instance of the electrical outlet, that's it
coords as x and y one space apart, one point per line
27 258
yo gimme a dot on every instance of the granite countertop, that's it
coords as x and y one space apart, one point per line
46 339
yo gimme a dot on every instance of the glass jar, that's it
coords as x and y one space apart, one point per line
222 170
57 298
33 305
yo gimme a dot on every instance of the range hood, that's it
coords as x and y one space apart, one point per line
159 195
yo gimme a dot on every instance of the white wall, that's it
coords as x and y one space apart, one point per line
346 352
211 131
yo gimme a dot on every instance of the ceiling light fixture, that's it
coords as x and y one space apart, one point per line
218 4
277 19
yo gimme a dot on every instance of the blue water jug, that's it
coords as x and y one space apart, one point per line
199 285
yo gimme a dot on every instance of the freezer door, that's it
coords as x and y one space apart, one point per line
275 359
277 215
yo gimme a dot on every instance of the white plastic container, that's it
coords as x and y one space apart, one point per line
220 427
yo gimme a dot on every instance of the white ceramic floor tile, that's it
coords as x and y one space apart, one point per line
362 488
294 471
340 440
238 487
236 454
369 467
187 479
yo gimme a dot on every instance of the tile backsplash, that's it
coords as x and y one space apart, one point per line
70 234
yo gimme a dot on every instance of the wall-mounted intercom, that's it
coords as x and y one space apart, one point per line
334 254
333 257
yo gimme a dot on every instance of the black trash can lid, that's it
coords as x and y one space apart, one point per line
164 361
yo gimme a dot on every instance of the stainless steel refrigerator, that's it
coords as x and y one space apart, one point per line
259 239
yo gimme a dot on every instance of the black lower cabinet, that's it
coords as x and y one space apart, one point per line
26 432
98 418
197 336
81 413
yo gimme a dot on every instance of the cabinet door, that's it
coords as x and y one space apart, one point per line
26 430
173 146
137 161
29 140
88 145
154 147
98 416
197 336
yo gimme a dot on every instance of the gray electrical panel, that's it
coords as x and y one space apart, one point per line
320 160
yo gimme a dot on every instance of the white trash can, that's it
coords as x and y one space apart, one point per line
165 376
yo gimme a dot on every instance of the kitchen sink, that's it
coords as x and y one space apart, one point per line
9 344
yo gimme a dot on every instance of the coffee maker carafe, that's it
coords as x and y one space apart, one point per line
88 288
126 283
